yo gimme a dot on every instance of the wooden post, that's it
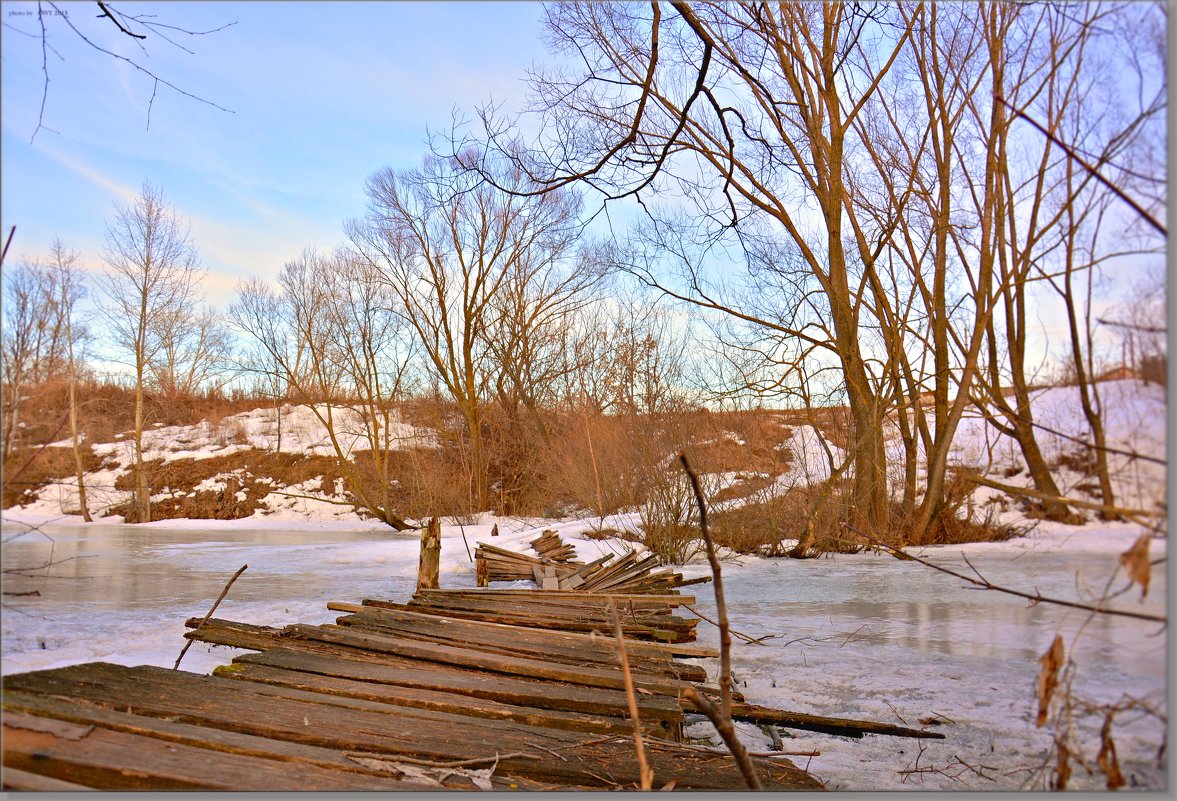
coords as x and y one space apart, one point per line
429 568
481 572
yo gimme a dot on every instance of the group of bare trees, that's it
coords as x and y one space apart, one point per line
148 302
861 204
875 195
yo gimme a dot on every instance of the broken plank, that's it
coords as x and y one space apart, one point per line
112 760
386 669
470 658
634 646
591 762
845 727
458 632
435 700
294 755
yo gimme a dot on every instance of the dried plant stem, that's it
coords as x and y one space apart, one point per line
721 718
646 773
727 731
217 603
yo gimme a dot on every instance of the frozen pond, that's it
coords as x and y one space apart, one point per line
122 593
858 636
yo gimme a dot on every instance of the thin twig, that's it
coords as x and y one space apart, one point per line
984 583
744 637
644 771
425 763
220 598
722 718
1144 215
728 732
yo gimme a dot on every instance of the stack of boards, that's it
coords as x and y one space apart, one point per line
457 689
555 569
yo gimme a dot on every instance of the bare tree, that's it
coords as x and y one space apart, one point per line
327 333
34 343
193 354
151 282
140 29
66 267
459 254
742 111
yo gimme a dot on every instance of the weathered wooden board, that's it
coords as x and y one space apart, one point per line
578 599
516 640
13 779
505 689
104 759
435 700
845 727
240 706
643 647
294 755
483 660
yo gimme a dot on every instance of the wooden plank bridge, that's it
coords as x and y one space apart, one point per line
457 689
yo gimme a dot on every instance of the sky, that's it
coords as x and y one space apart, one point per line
296 104
319 96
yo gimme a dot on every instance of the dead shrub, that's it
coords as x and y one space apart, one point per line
810 515
962 520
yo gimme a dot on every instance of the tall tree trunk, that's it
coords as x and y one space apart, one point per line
73 425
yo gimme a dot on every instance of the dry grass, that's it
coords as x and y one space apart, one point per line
47 466
180 478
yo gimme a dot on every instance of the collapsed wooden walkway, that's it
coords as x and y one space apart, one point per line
456 689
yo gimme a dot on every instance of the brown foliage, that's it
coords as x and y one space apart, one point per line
1052 662
1135 561
249 469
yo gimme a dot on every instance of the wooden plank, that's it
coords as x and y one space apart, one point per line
433 700
294 755
593 762
634 646
555 607
515 641
563 624
387 669
845 727
557 613
669 599
481 660
112 760
14 779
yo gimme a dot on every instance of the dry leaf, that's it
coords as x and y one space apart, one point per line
1135 560
1108 763
1063 773
1051 661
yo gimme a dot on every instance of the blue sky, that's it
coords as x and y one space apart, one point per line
322 95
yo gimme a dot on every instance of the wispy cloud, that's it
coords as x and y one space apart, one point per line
125 194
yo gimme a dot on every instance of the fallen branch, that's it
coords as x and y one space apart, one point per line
217 603
984 583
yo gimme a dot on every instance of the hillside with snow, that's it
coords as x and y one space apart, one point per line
1135 420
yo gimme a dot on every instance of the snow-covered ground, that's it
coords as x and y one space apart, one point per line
859 636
